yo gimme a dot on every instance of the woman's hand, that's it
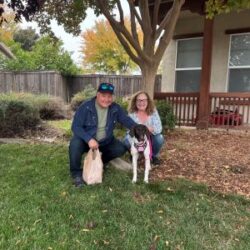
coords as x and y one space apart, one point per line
93 144
151 130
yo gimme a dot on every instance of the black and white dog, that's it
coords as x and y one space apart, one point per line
140 144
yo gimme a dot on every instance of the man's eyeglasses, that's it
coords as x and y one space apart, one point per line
141 100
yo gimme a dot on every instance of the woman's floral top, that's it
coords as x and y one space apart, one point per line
153 121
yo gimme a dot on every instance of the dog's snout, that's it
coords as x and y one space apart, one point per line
139 135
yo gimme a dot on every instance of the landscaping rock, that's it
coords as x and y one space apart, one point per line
121 164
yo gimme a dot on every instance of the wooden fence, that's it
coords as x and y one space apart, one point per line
53 83
38 82
124 84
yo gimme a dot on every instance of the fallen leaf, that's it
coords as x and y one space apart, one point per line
63 194
18 242
105 242
91 225
156 238
37 221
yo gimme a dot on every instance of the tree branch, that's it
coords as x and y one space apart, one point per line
169 29
120 11
164 22
133 9
122 32
133 25
146 21
155 14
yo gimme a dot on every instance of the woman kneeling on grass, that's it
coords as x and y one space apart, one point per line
143 111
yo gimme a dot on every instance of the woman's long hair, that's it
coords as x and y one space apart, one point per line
132 105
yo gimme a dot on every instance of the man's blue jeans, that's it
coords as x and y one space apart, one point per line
157 142
78 147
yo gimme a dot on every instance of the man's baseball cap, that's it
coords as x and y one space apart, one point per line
105 87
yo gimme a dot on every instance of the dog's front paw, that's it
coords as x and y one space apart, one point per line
146 181
133 181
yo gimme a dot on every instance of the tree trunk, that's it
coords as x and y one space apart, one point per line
6 51
148 79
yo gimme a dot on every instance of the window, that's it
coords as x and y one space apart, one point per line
188 65
239 63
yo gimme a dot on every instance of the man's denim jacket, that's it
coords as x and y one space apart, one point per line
85 121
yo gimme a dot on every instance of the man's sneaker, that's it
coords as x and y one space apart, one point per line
156 161
78 181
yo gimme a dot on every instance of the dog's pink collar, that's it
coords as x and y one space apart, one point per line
140 146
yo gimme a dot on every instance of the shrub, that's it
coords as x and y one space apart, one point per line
16 117
50 108
166 114
122 102
82 96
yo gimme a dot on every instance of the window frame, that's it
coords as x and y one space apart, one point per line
176 56
229 67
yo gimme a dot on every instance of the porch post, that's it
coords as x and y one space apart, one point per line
203 108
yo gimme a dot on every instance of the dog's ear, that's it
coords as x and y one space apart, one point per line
132 132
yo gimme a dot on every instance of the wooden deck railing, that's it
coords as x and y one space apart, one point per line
226 109
185 106
229 109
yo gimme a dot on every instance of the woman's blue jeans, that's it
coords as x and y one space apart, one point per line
157 142
78 147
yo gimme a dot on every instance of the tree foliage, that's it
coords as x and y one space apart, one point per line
52 58
26 37
215 7
8 27
156 36
147 55
103 52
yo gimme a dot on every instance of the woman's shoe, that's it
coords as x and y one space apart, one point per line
156 161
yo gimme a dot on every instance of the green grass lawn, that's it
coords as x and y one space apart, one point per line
63 125
40 209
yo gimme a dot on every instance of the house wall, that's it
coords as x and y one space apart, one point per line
193 23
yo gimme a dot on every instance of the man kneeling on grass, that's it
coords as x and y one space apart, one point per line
93 127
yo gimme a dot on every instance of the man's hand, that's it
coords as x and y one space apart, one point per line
93 144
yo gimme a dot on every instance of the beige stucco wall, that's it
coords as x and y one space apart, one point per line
194 24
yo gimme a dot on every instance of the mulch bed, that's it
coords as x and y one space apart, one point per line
220 159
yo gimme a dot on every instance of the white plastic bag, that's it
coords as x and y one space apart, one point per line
93 167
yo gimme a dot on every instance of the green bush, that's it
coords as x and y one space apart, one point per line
166 114
16 117
122 102
50 108
82 96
